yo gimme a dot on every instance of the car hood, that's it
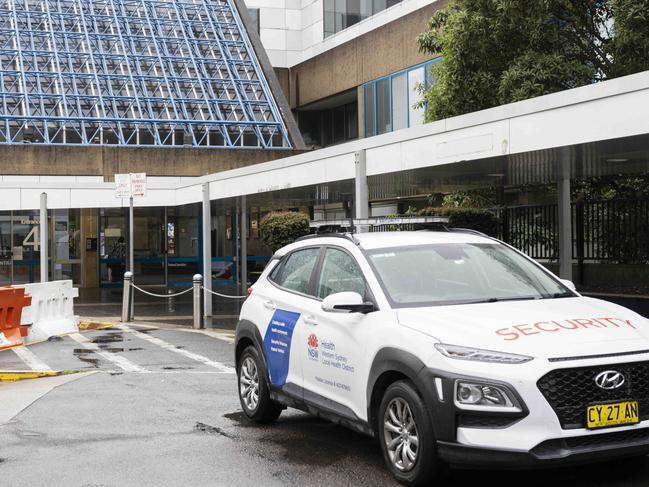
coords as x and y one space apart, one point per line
550 328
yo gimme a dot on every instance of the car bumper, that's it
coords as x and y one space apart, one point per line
555 452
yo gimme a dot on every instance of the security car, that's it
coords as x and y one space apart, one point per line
449 348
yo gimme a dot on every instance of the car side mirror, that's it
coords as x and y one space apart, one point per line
569 284
347 302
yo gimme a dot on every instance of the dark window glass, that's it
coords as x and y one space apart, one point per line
296 273
383 118
369 114
340 273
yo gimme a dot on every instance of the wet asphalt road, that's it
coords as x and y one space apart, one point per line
159 416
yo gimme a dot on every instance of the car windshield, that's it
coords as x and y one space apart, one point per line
443 274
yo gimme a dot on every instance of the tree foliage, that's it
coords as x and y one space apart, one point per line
283 227
502 51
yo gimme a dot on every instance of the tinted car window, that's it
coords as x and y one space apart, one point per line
340 273
296 272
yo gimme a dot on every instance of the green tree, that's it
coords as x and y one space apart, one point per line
283 227
502 51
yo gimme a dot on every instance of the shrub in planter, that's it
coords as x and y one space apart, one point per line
283 227
479 219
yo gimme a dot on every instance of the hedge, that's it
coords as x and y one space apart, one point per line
283 227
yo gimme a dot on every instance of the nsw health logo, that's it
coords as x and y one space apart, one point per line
313 347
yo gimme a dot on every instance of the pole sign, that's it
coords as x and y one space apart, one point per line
130 185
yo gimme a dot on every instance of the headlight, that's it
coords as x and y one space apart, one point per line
478 355
484 397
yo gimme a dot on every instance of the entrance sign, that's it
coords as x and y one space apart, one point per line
130 185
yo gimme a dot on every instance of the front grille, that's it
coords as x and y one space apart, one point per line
570 391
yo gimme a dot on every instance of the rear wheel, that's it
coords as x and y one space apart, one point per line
406 436
254 394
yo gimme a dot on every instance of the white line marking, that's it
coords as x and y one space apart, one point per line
123 363
31 360
223 335
224 369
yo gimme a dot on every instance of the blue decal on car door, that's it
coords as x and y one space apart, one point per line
277 344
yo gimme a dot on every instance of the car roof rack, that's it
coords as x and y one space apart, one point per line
333 226
466 230
346 236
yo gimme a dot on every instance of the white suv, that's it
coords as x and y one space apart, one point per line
449 347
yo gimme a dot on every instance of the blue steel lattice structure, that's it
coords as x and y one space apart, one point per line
133 72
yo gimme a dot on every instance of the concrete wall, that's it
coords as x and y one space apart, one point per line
25 160
383 51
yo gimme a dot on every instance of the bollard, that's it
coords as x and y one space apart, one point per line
198 312
127 314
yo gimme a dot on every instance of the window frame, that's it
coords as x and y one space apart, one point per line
375 129
282 264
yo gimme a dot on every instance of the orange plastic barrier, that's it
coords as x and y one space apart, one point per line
12 302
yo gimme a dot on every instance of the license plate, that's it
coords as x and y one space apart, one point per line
614 414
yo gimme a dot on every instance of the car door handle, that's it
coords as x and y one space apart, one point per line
310 320
269 305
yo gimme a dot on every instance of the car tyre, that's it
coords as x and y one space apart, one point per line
254 393
406 436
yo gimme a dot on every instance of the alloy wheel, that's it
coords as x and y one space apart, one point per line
249 384
400 435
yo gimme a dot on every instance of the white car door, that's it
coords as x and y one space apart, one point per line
333 365
286 302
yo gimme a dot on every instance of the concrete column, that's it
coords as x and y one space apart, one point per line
44 238
244 246
207 250
565 214
361 192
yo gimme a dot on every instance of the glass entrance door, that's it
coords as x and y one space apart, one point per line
65 231
149 246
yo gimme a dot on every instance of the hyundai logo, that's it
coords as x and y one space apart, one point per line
609 379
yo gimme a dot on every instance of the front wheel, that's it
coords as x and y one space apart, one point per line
253 389
406 436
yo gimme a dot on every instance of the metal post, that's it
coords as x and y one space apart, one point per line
237 247
198 312
565 215
361 192
127 310
44 239
207 250
244 246
131 240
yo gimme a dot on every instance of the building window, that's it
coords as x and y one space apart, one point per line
330 121
390 103
254 16
340 14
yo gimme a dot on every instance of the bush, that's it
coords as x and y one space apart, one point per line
283 227
479 219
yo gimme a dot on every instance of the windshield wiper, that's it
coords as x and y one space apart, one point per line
498 300
564 294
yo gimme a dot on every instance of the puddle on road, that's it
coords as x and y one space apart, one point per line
109 338
81 353
240 418
211 430
169 367
306 439
55 339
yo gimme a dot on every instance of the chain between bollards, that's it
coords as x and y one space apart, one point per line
198 301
